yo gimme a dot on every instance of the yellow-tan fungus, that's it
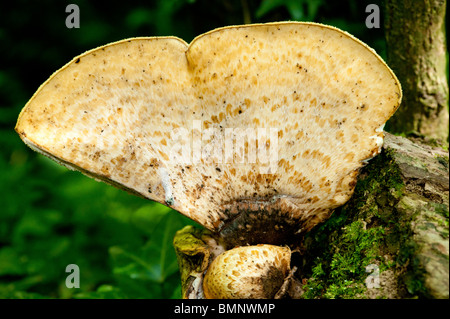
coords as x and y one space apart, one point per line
111 112
256 132
255 272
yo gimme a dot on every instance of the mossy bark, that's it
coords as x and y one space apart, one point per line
416 47
396 222
391 240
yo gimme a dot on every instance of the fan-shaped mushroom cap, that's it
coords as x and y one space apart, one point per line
127 112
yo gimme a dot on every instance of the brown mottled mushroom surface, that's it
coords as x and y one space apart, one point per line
255 272
120 112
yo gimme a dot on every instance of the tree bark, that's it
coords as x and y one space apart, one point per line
416 49
401 203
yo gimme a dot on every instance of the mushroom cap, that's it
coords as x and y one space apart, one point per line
247 272
153 116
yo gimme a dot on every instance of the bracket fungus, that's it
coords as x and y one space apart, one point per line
181 123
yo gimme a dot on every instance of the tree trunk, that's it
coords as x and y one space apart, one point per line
389 241
416 49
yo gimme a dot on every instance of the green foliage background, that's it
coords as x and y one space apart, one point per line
51 217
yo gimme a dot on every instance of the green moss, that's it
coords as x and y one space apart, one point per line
357 235
340 273
442 159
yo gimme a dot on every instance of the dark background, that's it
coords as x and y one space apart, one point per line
51 217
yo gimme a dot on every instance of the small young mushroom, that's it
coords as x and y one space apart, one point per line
256 132
255 272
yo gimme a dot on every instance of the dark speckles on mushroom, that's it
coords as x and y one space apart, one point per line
314 143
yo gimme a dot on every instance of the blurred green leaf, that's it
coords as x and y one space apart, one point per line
152 264
139 17
296 8
160 246
10 262
148 217
313 7
268 5
8 293
36 223
103 292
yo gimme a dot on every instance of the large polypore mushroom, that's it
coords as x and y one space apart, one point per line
256 132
